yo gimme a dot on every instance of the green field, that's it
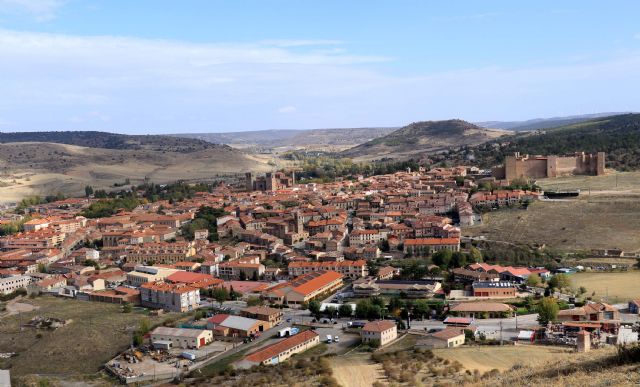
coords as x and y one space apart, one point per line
610 286
96 333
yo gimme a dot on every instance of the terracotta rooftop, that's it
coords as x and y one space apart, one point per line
274 350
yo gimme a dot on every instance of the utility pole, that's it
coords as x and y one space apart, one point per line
500 332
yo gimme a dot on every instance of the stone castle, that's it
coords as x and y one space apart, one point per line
525 166
270 182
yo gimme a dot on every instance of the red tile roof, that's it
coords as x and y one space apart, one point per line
379 326
276 349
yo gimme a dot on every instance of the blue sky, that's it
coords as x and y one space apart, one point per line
207 66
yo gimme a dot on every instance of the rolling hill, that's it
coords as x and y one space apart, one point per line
287 139
45 168
542 123
618 136
425 137
95 139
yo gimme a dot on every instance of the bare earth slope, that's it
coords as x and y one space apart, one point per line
44 168
423 138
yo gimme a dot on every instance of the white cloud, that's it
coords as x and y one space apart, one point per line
287 109
301 42
41 10
52 81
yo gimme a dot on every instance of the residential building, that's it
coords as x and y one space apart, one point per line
481 310
264 313
304 288
182 338
349 269
173 297
380 332
237 270
145 274
593 311
449 337
426 246
10 284
493 289
282 350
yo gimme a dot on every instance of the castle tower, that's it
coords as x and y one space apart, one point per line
298 221
600 163
249 181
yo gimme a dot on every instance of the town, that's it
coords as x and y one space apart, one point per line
247 275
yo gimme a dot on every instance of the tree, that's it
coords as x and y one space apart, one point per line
421 308
560 281
533 280
442 258
255 276
547 310
331 311
345 310
372 268
254 301
220 294
582 290
127 308
475 255
145 326
88 191
363 308
314 307
243 276
458 259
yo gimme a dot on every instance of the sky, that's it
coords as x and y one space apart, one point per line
161 66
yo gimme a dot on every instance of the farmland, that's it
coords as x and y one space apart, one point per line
567 225
96 332
615 287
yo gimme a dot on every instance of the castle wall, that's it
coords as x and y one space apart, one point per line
551 166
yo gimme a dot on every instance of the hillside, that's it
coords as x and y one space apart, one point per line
618 136
288 139
542 123
423 138
94 139
33 168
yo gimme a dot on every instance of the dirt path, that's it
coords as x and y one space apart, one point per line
15 306
356 371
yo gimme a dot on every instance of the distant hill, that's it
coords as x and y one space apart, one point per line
94 139
618 136
31 167
423 138
281 139
542 123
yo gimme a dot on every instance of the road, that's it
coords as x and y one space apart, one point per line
489 327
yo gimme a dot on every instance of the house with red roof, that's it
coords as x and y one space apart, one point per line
281 350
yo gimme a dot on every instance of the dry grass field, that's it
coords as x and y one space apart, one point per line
613 181
356 370
602 222
612 286
487 358
96 333
597 368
